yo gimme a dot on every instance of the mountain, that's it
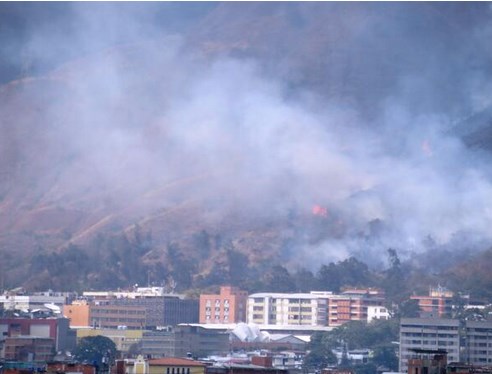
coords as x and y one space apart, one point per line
195 136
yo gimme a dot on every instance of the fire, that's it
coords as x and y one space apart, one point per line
318 210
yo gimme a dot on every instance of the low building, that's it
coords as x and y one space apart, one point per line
183 341
168 365
54 328
29 348
123 339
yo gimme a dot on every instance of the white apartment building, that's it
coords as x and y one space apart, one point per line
296 309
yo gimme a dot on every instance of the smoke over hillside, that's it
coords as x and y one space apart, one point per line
240 118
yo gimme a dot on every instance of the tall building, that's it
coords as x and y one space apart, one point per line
428 334
287 309
478 342
352 305
227 307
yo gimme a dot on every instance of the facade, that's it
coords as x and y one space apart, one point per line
428 334
29 348
478 343
52 328
104 314
438 303
124 339
183 341
37 300
167 310
78 314
302 309
377 312
353 305
227 307
168 365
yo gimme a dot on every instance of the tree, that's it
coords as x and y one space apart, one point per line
95 349
320 352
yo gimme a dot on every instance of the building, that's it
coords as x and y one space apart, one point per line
29 348
38 300
53 328
104 314
183 341
161 309
377 312
353 305
438 303
124 339
168 365
478 343
78 313
301 309
229 306
165 310
428 334
429 361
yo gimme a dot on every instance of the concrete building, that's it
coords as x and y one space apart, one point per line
104 314
124 339
229 306
352 305
182 341
302 309
29 348
166 310
478 343
52 328
15 301
428 334
438 303
78 313
377 312
168 365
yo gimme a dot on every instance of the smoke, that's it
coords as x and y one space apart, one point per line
149 123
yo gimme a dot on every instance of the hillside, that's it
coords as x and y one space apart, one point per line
264 133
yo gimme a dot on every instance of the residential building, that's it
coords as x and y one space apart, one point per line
438 303
428 334
302 309
352 305
229 306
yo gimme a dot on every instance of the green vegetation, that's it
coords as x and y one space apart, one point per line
95 349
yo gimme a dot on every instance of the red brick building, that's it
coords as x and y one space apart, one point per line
227 307
439 302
